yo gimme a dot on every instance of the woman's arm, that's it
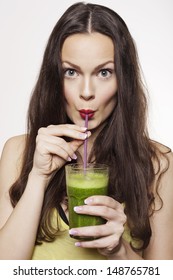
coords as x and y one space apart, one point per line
161 243
18 225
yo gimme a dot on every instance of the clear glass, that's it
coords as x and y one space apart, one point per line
82 183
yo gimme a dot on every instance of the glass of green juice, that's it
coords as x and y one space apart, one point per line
82 183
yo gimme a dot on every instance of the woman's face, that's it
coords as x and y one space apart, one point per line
90 82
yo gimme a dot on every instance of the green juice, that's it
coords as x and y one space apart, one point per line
79 187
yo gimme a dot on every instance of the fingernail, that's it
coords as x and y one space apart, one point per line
83 136
83 128
74 156
72 232
77 208
88 133
77 244
69 159
88 201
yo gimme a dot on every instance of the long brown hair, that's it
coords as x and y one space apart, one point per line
123 143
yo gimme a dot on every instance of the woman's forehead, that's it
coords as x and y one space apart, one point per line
90 46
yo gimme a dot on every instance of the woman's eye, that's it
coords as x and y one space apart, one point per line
105 73
70 73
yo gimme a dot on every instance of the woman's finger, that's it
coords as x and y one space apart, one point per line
104 200
105 212
47 140
50 149
71 131
108 243
107 229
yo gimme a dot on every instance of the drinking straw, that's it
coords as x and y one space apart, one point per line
85 143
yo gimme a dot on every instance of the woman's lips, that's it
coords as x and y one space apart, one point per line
83 113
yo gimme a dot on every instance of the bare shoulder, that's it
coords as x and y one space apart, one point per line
161 149
167 169
13 148
164 160
163 185
11 160
16 141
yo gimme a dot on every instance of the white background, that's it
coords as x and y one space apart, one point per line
25 26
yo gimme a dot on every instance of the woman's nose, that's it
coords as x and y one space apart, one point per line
87 90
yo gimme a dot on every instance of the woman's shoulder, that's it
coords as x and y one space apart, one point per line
16 140
161 148
163 154
163 165
14 147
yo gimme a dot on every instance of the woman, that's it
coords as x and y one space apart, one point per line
90 66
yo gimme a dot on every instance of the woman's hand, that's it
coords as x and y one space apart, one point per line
109 234
52 151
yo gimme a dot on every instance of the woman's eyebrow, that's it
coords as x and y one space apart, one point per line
103 65
95 69
72 65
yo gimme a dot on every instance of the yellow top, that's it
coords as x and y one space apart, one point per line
63 248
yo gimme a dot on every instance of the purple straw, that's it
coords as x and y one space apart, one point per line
85 142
